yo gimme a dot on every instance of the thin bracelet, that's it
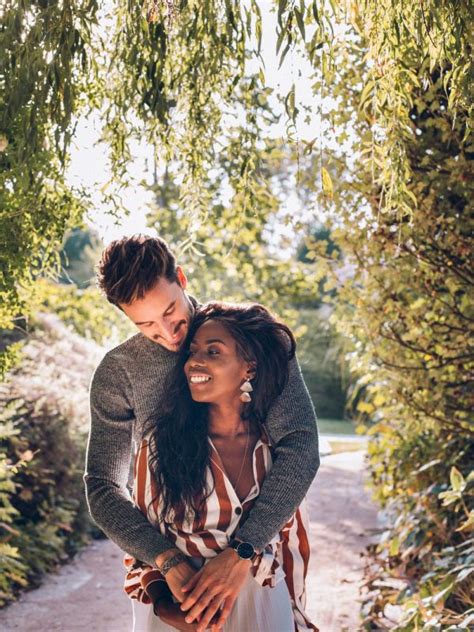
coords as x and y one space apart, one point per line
172 561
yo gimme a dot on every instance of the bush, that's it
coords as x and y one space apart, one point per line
409 311
85 311
44 429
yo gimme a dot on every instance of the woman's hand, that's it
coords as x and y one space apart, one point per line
177 576
171 614
216 584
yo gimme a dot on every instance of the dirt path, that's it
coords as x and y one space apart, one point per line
86 595
342 518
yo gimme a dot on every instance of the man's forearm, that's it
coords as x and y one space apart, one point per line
123 522
294 468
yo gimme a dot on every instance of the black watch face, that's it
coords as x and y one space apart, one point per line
245 550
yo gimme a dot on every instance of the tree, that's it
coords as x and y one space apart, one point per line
46 61
79 255
319 240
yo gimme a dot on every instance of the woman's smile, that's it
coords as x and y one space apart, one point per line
199 378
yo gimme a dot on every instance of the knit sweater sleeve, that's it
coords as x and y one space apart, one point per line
291 424
108 458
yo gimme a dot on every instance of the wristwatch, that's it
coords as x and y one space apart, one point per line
245 550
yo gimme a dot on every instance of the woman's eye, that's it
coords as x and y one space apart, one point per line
213 352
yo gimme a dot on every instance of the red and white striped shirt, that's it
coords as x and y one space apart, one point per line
285 557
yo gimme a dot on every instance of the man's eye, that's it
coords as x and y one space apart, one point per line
213 352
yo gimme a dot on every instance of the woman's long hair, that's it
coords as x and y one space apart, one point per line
180 449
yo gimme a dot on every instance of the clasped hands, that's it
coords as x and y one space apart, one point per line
206 597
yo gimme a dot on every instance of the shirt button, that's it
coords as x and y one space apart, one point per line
238 510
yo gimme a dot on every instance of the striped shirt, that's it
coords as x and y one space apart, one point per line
286 557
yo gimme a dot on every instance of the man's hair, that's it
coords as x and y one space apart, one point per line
131 266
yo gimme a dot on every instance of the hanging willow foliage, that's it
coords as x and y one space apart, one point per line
45 66
171 79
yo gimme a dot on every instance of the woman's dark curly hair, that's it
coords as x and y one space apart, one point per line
180 447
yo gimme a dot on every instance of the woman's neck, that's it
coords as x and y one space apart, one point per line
225 420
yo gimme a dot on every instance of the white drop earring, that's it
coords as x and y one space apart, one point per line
246 389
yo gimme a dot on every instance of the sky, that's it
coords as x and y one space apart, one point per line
88 166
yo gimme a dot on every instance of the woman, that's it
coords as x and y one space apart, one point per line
204 460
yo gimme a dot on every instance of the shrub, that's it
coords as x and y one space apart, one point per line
45 420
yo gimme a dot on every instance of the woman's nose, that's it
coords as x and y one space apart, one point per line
197 360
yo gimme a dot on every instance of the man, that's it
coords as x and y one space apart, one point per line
140 276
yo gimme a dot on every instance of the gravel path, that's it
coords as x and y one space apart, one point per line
86 595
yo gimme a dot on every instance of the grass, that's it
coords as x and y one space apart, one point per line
336 426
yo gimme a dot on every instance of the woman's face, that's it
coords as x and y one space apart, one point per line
214 369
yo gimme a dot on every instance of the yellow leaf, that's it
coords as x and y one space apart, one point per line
365 407
394 547
418 303
379 399
468 525
380 427
458 482
327 182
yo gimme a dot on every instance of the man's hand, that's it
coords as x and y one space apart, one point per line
177 576
217 584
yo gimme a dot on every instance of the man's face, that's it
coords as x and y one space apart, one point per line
164 313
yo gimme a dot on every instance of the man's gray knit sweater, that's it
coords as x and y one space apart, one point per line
128 388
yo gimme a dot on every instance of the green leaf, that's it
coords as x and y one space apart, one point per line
280 38
285 51
282 4
300 21
314 7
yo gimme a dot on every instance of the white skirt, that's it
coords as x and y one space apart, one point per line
257 609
